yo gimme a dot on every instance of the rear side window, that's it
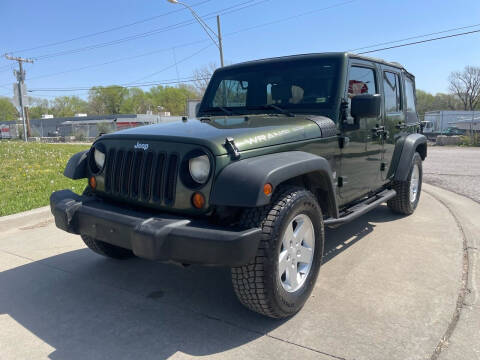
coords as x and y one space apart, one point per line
391 87
410 101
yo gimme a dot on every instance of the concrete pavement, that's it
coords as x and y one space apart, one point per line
388 289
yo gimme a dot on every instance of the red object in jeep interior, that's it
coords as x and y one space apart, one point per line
356 87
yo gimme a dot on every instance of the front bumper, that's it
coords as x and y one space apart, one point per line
154 236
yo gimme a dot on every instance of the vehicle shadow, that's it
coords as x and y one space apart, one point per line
85 306
340 239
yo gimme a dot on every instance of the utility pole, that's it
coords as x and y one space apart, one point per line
20 75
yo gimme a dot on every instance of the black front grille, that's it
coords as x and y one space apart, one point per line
142 176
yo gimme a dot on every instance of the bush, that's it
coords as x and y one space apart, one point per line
472 139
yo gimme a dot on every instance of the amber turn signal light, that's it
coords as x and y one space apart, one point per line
93 182
267 189
198 200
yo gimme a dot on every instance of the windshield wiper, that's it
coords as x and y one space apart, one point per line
278 108
224 109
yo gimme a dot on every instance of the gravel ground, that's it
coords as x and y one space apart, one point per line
454 168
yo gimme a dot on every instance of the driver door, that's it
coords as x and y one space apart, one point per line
361 155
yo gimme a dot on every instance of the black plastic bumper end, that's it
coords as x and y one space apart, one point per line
154 237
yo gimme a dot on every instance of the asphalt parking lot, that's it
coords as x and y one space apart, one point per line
454 168
391 287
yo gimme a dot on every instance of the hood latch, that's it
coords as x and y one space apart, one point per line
232 148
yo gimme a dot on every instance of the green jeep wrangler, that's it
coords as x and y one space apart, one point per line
281 148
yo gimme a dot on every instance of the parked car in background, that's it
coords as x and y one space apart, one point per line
453 131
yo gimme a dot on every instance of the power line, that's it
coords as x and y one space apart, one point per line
227 10
304 14
116 60
167 67
108 30
173 65
196 42
153 83
422 41
193 79
414 37
288 18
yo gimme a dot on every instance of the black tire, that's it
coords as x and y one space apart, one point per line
401 203
103 248
107 250
257 284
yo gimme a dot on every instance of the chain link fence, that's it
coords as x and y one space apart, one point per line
74 129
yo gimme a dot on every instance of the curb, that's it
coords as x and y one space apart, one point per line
464 210
14 221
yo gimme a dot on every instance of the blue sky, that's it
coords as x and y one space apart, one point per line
330 25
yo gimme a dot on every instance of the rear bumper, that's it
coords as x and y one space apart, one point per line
154 236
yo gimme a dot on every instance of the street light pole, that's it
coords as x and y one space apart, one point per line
220 41
216 37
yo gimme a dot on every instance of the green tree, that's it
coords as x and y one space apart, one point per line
107 100
8 111
65 106
136 102
38 107
172 99
428 102
447 102
466 86
425 102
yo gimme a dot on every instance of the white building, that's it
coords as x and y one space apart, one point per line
439 121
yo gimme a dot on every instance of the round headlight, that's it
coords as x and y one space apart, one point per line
99 158
199 168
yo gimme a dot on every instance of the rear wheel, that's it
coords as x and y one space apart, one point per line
279 280
408 192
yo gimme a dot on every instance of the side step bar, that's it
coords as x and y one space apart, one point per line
361 208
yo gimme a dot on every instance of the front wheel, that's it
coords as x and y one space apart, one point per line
107 250
408 192
279 280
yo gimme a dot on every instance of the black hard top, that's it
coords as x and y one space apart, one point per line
313 56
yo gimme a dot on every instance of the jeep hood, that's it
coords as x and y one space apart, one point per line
251 133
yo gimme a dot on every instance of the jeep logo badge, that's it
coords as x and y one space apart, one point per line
141 146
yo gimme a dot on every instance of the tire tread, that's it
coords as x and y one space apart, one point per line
249 280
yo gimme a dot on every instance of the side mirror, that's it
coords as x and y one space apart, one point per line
366 106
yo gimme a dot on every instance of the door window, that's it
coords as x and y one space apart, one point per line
361 80
391 87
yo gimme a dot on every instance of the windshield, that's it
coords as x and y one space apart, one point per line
294 86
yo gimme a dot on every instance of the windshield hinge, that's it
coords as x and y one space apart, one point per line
344 110
232 148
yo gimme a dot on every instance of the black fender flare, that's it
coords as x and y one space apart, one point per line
412 144
77 166
241 183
